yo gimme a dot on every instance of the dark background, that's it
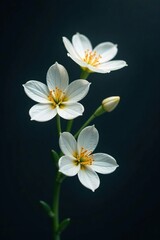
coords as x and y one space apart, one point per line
125 206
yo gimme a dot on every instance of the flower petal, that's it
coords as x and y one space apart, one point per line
57 76
96 69
103 163
78 61
42 112
77 90
37 91
107 50
88 139
89 178
81 43
67 166
112 65
70 110
68 144
68 45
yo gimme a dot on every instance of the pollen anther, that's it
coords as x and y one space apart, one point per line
92 58
56 97
84 158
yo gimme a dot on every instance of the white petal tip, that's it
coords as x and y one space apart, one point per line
33 119
56 63
64 39
125 64
116 166
94 189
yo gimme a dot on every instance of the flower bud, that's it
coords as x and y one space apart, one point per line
110 103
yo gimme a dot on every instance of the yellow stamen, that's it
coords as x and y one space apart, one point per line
92 58
56 97
84 158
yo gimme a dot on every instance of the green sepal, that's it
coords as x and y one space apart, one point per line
85 73
47 209
63 225
55 156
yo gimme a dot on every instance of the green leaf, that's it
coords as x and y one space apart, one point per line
63 225
47 208
55 156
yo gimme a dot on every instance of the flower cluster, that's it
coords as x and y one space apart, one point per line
61 99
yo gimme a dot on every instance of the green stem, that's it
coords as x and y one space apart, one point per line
69 125
85 124
59 124
84 74
55 209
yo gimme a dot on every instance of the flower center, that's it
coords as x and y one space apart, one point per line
56 96
92 58
84 158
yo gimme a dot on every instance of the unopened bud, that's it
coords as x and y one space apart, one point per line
110 103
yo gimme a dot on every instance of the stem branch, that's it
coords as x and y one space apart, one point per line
84 125
69 125
55 208
59 124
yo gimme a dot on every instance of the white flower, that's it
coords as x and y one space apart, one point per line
79 159
93 60
57 97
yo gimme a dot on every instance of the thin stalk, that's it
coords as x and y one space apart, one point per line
56 194
55 208
59 124
69 125
84 125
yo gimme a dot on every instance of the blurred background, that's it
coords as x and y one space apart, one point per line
126 203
